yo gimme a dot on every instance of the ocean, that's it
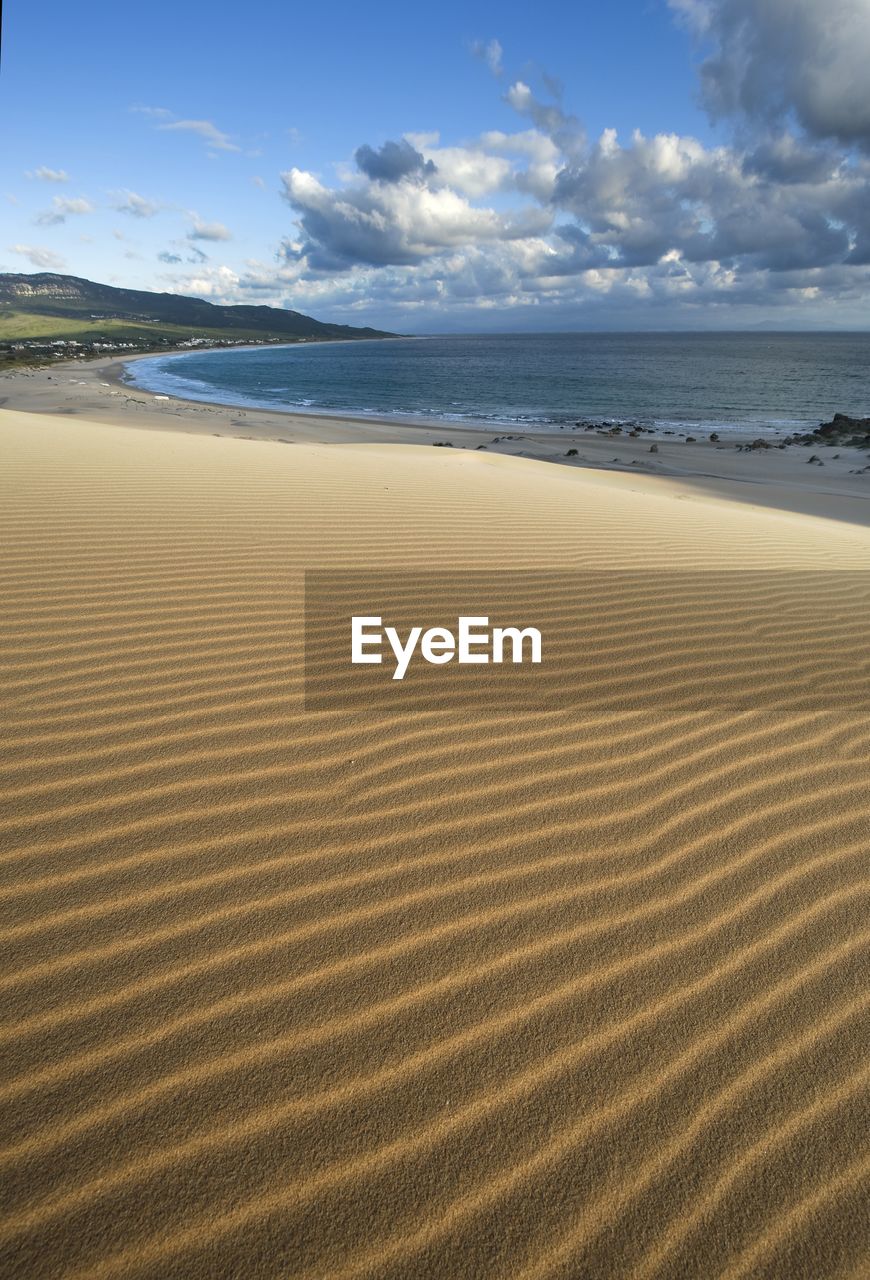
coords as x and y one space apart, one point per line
758 383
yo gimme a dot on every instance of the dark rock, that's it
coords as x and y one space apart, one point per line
842 425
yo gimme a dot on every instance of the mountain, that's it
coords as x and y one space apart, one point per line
46 310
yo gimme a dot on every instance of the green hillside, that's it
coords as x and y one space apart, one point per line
44 316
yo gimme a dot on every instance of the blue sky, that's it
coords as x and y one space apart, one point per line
645 163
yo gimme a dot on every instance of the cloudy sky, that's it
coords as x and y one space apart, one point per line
472 166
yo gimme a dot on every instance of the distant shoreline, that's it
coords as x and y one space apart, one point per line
507 385
258 346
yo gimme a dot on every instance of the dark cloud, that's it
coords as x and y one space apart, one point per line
169 258
668 194
782 158
392 162
776 61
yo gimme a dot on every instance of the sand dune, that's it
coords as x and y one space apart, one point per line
433 985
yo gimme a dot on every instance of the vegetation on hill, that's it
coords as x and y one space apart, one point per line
49 316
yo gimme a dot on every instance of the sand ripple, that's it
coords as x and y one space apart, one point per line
424 988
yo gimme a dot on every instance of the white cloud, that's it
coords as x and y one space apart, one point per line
493 55
205 129
63 208
208 230
544 225
44 174
217 283
136 206
156 113
389 223
471 170
661 220
491 52
39 257
534 160
565 130
166 121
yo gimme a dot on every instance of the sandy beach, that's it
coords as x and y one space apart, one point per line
421 989
98 391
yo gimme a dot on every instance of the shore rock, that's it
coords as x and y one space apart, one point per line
840 430
843 425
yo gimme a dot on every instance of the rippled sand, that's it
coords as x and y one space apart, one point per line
418 989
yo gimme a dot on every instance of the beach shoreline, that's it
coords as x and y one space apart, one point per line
97 391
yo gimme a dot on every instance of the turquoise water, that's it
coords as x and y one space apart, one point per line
758 382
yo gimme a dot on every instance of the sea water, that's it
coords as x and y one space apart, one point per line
747 382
